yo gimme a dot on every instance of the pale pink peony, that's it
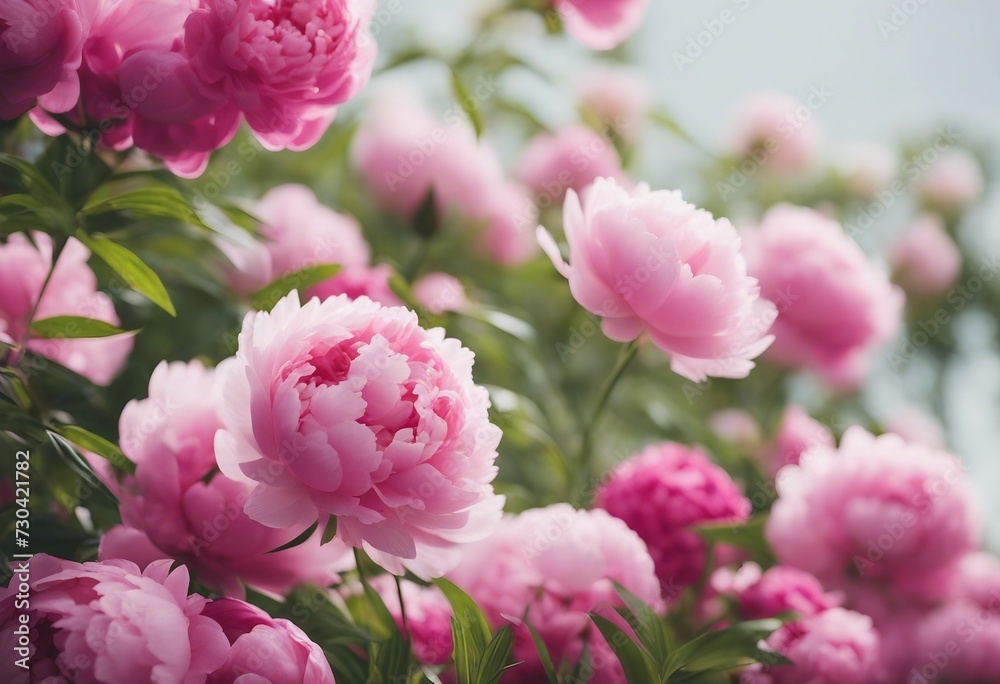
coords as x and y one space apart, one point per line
779 589
834 305
619 97
350 409
41 47
775 130
925 260
570 159
916 425
508 237
177 507
952 183
556 564
265 650
650 262
867 169
877 507
440 292
428 617
111 623
835 646
797 434
72 291
359 281
660 493
285 65
601 24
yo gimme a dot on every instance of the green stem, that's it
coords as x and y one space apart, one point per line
585 462
58 244
402 608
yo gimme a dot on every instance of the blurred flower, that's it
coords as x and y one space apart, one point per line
72 291
959 642
570 159
428 617
41 47
551 566
649 262
736 426
769 128
661 492
952 183
797 433
109 622
867 168
618 97
916 425
601 24
359 281
509 235
876 508
176 507
350 409
925 261
834 305
440 292
778 590
265 650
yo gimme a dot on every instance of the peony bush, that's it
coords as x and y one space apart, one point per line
325 356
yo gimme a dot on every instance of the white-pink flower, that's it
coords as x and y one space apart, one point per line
349 409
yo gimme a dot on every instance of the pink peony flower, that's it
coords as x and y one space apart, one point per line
509 235
914 424
875 508
265 650
359 281
798 433
867 168
428 618
349 409
72 291
440 292
925 260
767 594
619 98
109 622
834 306
775 130
601 24
958 642
650 262
835 646
41 47
953 183
660 493
570 159
176 507
285 65
555 565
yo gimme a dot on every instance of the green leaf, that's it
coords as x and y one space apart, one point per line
496 657
299 539
154 201
65 327
650 628
636 663
78 465
470 632
265 298
543 654
329 531
468 103
130 269
98 445
22 180
20 211
723 649
426 220
748 535
391 660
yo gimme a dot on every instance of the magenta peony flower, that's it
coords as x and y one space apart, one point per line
72 291
619 97
797 434
601 24
834 306
41 47
554 565
958 642
953 183
428 617
767 594
285 65
660 493
650 262
570 159
835 646
775 130
176 507
440 292
350 409
108 622
265 650
876 507
925 260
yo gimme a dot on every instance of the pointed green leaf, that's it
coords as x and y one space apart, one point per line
329 531
265 298
65 327
543 654
299 539
636 663
154 201
469 104
496 657
650 627
723 649
130 269
98 445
